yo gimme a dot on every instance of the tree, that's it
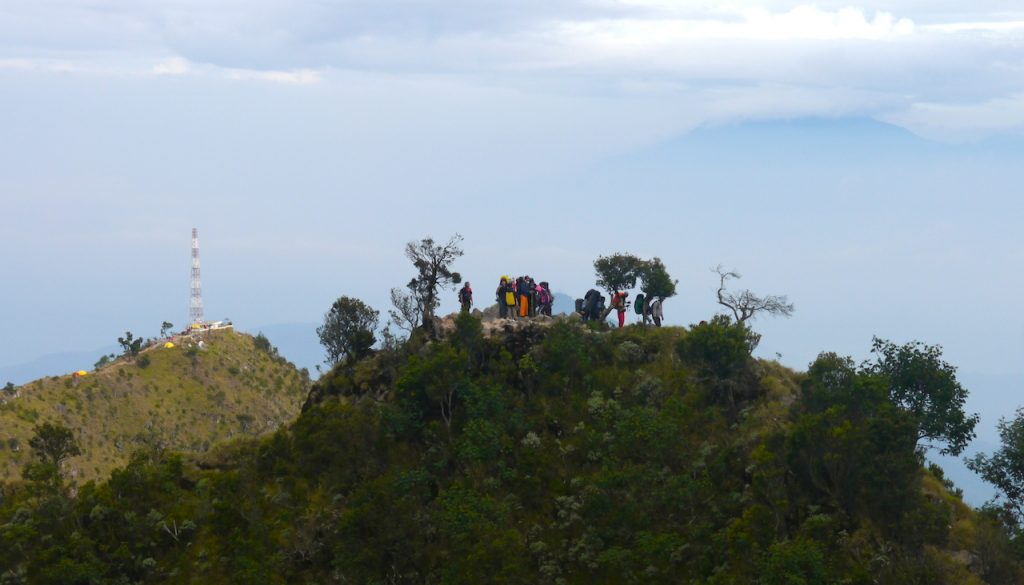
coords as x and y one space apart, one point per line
745 304
51 445
165 328
10 389
618 271
130 345
921 383
1004 469
407 313
348 329
263 344
655 280
433 263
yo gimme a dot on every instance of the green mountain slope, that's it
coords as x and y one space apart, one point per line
557 455
183 400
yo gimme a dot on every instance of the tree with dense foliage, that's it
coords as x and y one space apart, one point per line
130 345
618 271
923 384
433 262
746 304
554 455
348 329
655 280
1004 469
51 445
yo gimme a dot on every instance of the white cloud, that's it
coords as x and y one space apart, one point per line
962 121
799 24
898 56
172 66
298 77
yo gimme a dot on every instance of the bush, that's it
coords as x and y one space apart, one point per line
720 348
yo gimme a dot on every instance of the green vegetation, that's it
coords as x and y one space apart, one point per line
177 398
433 263
347 332
620 272
1005 470
130 345
545 455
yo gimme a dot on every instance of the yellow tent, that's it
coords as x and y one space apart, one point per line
195 325
81 373
168 345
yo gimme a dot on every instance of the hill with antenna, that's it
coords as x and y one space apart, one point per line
205 389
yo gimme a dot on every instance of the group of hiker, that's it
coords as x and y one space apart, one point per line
523 297
516 297
594 307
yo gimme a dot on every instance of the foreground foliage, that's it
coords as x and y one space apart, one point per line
561 456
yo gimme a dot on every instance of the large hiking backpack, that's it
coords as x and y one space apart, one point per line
638 305
542 296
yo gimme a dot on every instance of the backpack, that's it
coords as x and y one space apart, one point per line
638 305
579 305
542 295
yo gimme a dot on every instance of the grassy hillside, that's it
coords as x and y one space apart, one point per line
558 455
182 398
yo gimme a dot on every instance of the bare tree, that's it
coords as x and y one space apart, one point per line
407 313
745 304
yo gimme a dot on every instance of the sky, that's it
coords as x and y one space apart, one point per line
861 158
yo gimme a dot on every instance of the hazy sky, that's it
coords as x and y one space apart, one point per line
309 140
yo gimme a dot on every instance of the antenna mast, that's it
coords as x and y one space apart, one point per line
195 311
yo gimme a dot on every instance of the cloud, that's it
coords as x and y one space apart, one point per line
963 121
172 66
299 77
907 60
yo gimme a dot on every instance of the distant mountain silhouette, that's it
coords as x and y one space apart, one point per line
53 364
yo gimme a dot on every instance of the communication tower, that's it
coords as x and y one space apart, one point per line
195 311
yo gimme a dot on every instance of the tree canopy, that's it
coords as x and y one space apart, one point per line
617 272
130 345
923 384
1004 469
655 280
348 329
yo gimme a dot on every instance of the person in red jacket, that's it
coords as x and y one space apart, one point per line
620 305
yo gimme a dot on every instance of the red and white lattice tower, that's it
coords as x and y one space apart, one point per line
195 310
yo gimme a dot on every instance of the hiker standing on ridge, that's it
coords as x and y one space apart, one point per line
654 311
544 298
510 298
619 304
499 297
466 297
523 290
590 305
